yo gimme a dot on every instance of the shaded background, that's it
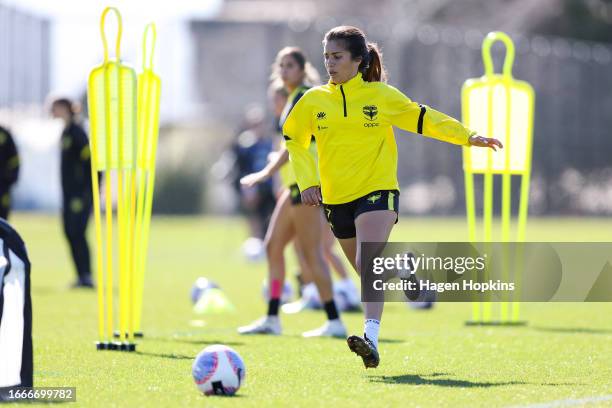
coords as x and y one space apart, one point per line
214 58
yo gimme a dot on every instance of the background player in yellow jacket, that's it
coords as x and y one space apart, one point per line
292 220
352 119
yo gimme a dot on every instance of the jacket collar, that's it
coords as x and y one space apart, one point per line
353 83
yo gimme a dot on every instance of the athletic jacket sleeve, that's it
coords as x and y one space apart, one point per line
297 132
413 117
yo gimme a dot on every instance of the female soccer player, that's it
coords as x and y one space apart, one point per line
76 188
291 219
351 118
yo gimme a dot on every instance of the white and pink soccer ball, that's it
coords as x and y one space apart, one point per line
218 370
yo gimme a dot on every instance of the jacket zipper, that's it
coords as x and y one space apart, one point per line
343 100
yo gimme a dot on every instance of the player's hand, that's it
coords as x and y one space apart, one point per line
254 178
272 156
312 196
482 141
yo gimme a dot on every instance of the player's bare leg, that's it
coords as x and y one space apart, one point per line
374 226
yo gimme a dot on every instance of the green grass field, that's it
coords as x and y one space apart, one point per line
429 358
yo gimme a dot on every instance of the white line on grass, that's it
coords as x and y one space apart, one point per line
567 402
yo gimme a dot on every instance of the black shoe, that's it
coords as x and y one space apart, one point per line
365 349
412 295
83 282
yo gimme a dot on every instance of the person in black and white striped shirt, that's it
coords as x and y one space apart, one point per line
16 365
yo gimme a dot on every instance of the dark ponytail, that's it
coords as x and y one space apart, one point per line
371 66
374 71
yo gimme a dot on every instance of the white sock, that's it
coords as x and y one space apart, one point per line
371 329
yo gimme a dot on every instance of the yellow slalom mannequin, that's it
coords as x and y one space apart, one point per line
112 107
497 105
149 89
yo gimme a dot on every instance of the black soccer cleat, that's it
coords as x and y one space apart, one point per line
364 348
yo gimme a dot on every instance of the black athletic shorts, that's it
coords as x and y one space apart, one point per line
341 217
295 195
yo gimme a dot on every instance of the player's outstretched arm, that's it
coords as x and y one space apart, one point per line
254 178
280 158
424 120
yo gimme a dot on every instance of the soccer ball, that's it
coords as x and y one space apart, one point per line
285 296
346 298
218 370
426 300
200 286
253 249
341 298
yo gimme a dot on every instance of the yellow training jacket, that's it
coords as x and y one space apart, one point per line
286 171
353 126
